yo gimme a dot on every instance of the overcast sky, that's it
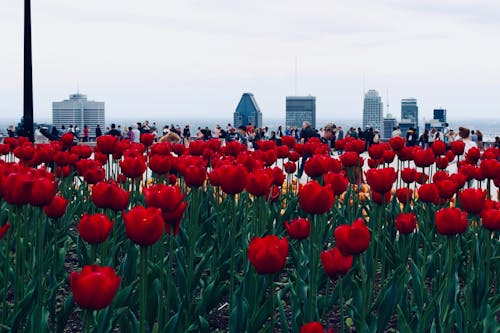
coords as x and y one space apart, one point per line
194 58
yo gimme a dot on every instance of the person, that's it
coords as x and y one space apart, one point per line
473 136
479 139
85 133
98 131
328 136
306 134
241 135
340 133
136 133
396 132
376 137
464 134
451 136
231 135
11 132
497 142
171 137
409 138
113 131
54 133
186 134
279 134
424 139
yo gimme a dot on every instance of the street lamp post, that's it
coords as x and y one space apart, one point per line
28 74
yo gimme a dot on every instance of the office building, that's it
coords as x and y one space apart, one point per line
372 110
440 115
409 115
78 111
247 112
300 109
389 124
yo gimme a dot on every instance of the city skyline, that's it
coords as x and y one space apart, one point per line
201 57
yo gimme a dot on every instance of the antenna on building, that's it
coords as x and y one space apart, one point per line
295 78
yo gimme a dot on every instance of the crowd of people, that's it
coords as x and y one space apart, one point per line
251 135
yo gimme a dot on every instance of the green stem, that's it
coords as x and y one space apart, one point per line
341 304
273 306
87 318
143 286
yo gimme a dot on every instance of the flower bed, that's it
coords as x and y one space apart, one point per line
174 239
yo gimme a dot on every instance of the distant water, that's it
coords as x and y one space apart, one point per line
489 127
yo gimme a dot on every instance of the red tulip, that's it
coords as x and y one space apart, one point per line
16 188
337 181
397 143
160 164
133 167
472 200
428 193
106 144
144 226
3 230
25 152
351 159
356 145
376 151
56 208
298 228
423 158
94 229
404 195
288 141
67 139
282 151
147 139
473 155
109 195
421 178
381 180
439 147
335 263
315 199
442 162
406 223
290 167
170 200
352 239
490 168
446 189
233 178
408 175
490 219
43 191
451 221
388 156
194 175
259 183
457 147
405 154
293 156
381 198
314 166
94 175
4 149
94 287
268 254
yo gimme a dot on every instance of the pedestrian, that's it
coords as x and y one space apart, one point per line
98 131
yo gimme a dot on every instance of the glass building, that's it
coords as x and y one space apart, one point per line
372 110
409 115
300 109
389 124
440 115
247 112
78 111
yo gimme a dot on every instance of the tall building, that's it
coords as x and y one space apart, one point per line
389 124
78 111
409 115
247 112
372 110
300 109
440 115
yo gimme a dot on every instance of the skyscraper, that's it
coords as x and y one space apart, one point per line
440 115
389 124
372 110
300 109
247 112
78 111
409 115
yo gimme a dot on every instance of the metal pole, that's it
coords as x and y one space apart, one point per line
28 75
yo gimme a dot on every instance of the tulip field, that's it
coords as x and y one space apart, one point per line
160 237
